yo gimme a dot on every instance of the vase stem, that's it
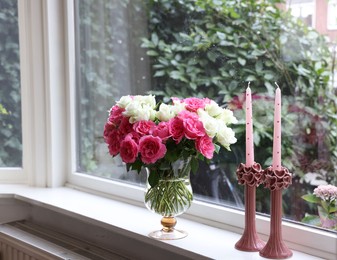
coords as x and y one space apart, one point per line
168 223
168 232
250 240
275 247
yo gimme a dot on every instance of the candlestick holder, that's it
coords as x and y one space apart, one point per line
276 181
250 177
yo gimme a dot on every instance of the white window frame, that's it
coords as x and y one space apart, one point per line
329 25
21 174
48 93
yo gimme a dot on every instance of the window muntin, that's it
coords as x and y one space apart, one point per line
10 87
112 63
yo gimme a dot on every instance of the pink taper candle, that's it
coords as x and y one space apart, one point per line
249 129
277 130
249 240
275 247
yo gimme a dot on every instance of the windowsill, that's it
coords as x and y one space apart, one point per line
134 221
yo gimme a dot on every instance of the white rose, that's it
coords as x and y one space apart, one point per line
142 113
178 107
146 100
227 117
145 112
211 124
225 136
213 109
166 112
124 101
132 109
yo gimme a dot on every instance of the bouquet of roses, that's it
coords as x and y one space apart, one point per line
145 133
160 136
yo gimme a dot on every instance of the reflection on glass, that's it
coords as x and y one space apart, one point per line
10 97
213 49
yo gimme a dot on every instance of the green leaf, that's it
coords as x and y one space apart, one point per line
137 166
312 220
221 35
311 198
242 61
269 76
257 52
251 78
159 73
193 85
152 53
259 66
171 155
226 43
234 14
217 148
175 74
153 178
154 38
333 208
194 164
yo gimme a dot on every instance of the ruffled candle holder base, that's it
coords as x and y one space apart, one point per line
276 181
251 177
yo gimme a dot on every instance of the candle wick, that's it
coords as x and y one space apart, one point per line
277 85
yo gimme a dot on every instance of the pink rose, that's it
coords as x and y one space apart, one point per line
134 136
108 127
151 149
113 140
205 146
116 115
176 129
192 125
125 127
162 131
128 150
144 127
193 104
207 101
175 99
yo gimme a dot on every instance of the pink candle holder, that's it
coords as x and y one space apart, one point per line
251 177
276 181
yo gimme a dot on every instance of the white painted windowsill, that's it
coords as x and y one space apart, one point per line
136 222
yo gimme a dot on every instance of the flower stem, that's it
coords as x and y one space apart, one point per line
169 197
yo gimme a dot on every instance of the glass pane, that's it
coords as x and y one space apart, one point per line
10 96
110 64
213 49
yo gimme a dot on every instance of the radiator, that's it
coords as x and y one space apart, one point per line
26 241
10 251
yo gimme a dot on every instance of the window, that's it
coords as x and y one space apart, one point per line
304 10
188 48
110 64
10 86
46 67
332 15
